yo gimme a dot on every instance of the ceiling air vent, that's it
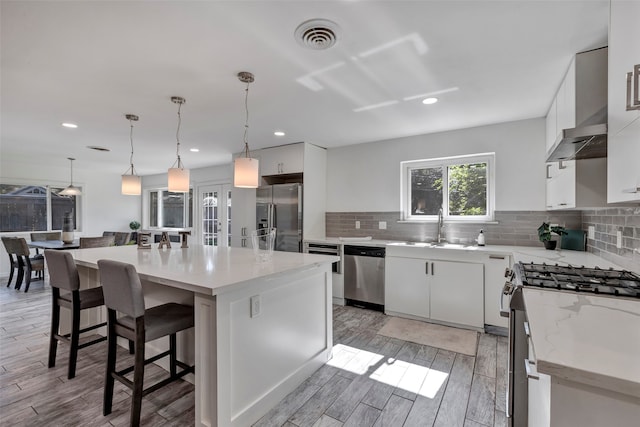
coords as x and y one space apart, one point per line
95 147
317 34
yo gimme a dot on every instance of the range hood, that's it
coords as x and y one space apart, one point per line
588 139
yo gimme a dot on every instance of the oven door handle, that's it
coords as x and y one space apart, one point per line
506 290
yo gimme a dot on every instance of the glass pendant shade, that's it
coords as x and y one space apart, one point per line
245 172
131 185
178 180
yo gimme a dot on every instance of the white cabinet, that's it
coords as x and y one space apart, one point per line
284 159
623 173
243 216
406 286
418 285
457 292
562 113
576 184
494 279
552 124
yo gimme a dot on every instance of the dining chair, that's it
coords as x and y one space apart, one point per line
26 264
9 245
121 237
66 292
49 235
96 242
123 294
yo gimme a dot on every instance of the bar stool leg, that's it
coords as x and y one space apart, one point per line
138 377
75 335
172 355
111 364
55 324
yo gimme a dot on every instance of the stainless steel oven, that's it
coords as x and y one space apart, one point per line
554 278
326 249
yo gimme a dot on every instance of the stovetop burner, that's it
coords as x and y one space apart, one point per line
580 279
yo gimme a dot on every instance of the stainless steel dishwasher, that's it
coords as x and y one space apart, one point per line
364 276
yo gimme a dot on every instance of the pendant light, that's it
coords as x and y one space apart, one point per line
178 175
131 183
71 190
245 170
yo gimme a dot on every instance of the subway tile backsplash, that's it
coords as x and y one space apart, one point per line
607 222
512 228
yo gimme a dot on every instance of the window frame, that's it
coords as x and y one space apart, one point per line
146 211
444 162
48 185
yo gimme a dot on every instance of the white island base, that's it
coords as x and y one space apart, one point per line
260 329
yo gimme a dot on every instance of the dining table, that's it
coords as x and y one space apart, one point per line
54 244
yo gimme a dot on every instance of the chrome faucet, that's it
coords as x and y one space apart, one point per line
440 225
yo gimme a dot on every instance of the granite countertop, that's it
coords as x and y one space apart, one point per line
204 269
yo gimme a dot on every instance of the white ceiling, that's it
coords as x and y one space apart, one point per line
90 62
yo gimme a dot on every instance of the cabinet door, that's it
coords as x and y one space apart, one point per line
623 174
406 290
243 216
567 100
551 125
283 159
494 268
565 185
457 292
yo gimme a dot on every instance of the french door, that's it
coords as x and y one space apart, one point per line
214 205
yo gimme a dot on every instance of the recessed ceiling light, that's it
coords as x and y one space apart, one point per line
194 150
279 133
70 125
428 101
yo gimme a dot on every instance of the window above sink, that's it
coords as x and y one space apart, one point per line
463 186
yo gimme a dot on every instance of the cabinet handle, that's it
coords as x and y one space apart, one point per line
548 177
561 165
496 257
426 267
531 374
562 204
243 243
636 77
433 268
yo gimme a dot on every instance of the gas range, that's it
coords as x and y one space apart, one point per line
616 283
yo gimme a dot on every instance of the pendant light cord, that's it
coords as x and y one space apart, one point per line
131 140
246 122
71 160
178 135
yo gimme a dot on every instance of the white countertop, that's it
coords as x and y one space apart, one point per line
204 269
590 339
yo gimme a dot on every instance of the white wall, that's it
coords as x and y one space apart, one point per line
102 204
212 174
366 177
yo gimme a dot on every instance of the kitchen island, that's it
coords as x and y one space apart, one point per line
260 328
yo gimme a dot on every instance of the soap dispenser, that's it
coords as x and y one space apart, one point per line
481 238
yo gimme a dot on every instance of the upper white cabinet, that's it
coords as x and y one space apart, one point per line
284 159
623 171
576 184
562 114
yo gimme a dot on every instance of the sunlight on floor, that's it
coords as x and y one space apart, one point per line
394 372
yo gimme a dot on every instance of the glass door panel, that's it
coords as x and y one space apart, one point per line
215 220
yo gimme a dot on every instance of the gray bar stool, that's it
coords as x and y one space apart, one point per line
123 293
66 292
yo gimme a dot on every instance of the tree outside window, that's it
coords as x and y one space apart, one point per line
461 186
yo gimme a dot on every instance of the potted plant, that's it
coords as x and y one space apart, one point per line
134 226
544 234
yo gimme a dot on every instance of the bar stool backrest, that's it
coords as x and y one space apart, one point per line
63 273
96 242
121 287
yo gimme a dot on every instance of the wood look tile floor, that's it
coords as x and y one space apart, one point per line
372 380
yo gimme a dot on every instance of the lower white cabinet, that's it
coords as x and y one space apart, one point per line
457 293
494 271
446 291
406 287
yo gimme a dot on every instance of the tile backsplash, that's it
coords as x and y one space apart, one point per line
607 222
511 228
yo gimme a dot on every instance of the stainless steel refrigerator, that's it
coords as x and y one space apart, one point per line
279 206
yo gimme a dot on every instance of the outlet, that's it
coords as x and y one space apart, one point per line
382 225
256 305
619 239
592 232
357 224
